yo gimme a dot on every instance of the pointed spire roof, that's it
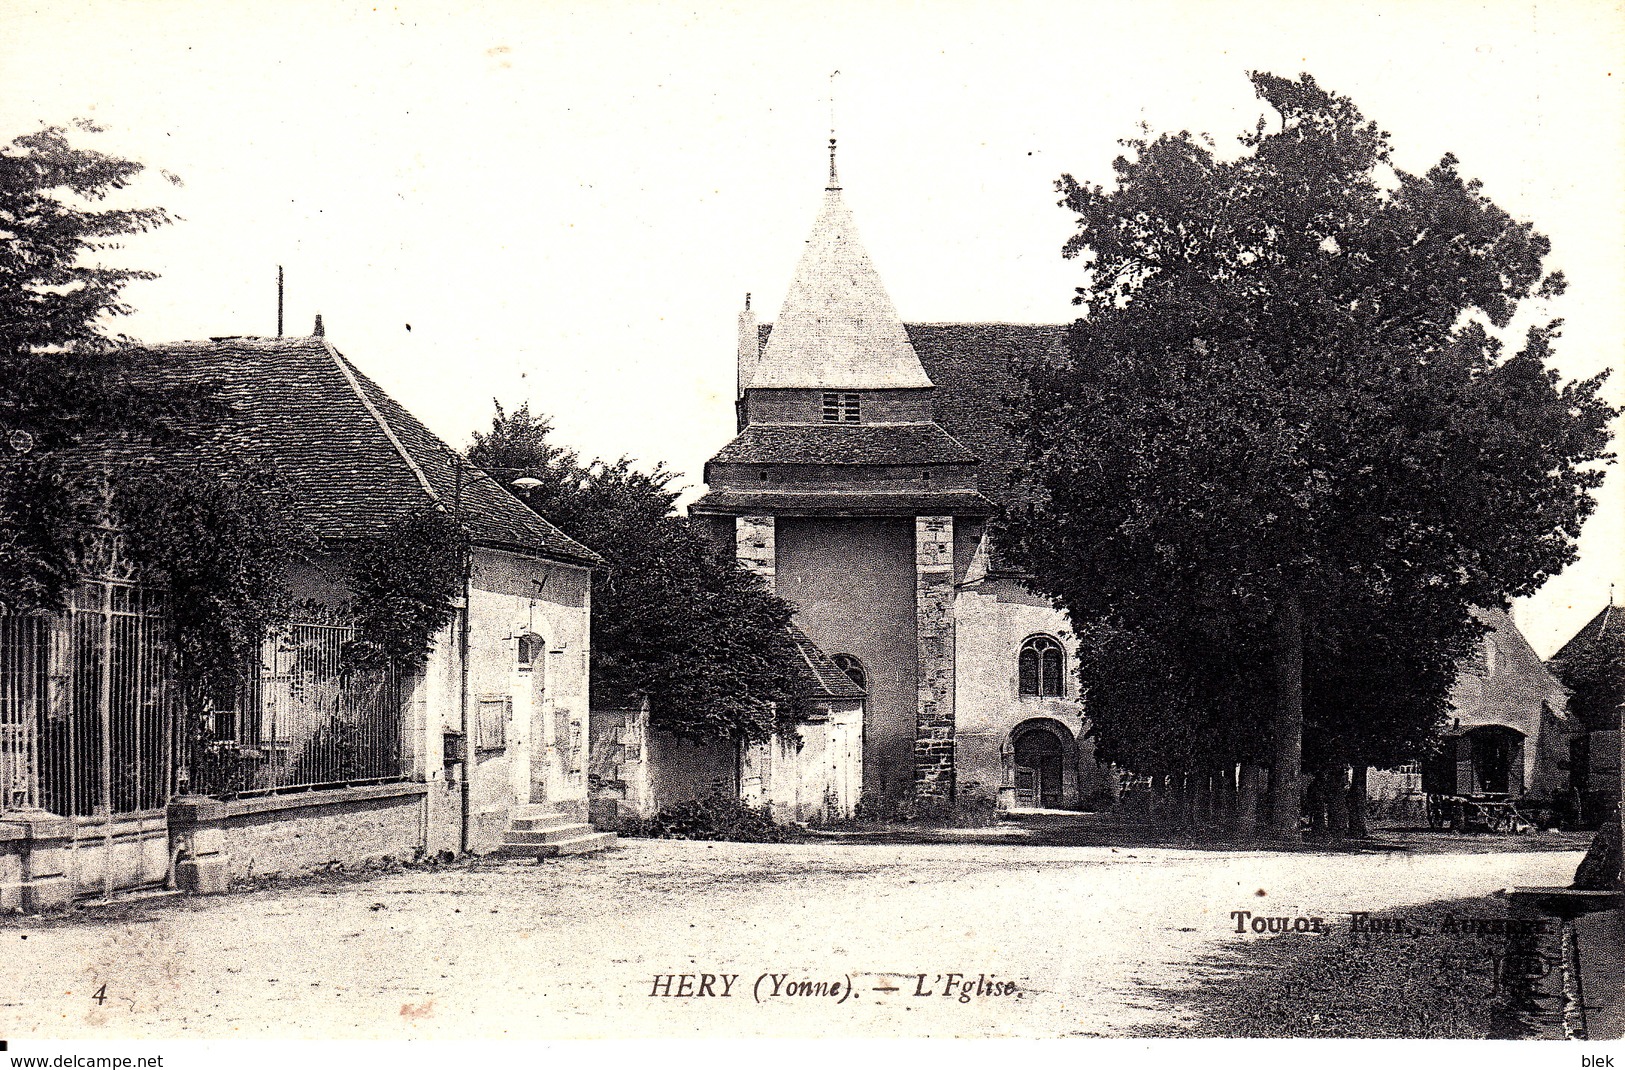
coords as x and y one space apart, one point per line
838 329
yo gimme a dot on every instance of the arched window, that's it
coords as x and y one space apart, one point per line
1041 664
853 668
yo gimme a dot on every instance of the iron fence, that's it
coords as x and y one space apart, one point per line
90 725
84 705
307 719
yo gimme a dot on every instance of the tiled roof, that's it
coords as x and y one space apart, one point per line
1597 707
845 503
824 679
838 327
356 458
972 366
1606 626
848 444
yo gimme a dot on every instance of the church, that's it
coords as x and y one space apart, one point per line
870 456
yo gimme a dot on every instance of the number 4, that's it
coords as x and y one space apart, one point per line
100 995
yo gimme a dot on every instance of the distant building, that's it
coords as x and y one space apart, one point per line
1507 735
869 459
1592 664
104 787
1509 729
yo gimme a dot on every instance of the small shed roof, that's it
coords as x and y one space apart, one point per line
824 679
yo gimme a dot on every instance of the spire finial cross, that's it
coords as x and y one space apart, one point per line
834 181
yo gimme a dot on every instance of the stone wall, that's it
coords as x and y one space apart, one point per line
994 617
618 765
682 771
755 547
35 867
934 631
813 772
1395 797
853 581
216 842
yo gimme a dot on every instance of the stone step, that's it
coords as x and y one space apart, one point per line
543 822
590 843
533 811
557 834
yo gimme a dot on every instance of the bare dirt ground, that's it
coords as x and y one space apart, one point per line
1088 935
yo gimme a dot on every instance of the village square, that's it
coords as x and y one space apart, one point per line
1231 651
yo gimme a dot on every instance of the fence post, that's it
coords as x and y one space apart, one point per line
44 846
197 843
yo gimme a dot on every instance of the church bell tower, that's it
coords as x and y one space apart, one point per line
845 495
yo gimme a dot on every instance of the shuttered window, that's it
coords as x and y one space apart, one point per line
841 408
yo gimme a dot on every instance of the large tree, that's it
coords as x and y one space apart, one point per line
92 439
65 375
1283 428
673 617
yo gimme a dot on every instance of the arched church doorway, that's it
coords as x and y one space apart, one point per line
1042 749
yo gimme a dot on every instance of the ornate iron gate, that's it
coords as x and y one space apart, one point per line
86 731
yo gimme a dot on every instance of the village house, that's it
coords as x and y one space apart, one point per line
1508 737
1595 751
104 788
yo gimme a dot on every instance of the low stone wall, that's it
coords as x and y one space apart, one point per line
34 862
812 772
1395 798
216 841
683 771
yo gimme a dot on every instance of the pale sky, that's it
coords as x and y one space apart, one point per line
568 201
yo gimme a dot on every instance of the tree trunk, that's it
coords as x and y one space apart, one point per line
1179 801
1337 796
1357 800
1314 799
1286 788
1248 790
1158 805
1224 809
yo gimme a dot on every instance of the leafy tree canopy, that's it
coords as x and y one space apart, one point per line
673 617
402 586
220 542
1283 410
65 374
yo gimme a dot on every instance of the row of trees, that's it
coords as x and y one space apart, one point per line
1284 454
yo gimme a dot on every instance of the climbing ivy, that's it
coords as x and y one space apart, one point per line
221 543
402 589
